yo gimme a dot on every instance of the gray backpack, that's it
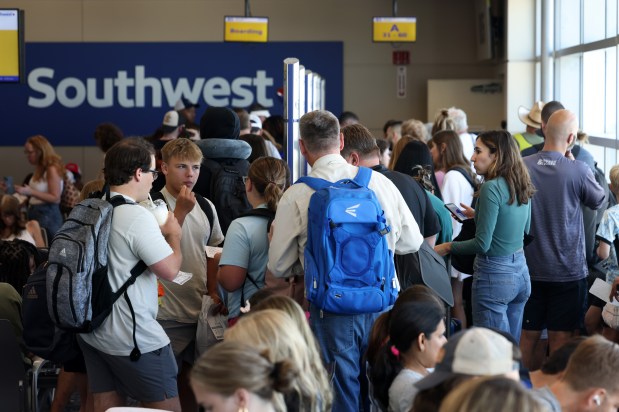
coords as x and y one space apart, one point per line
79 295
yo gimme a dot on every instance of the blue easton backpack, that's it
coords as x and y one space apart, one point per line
349 268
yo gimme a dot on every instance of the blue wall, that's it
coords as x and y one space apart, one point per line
72 87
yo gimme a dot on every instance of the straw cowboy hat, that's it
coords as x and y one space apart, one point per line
532 117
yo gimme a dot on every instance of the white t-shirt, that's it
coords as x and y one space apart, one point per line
23 235
182 303
468 145
456 189
41 186
134 236
272 149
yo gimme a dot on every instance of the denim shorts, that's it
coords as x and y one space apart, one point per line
151 379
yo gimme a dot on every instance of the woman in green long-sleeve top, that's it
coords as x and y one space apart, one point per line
501 283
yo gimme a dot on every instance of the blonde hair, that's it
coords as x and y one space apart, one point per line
183 149
442 121
275 331
47 157
270 178
292 309
230 366
415 129
497 394
397 149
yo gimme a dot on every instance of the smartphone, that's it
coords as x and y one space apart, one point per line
8 183
456 212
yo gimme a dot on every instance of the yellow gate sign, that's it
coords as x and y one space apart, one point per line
246 29
394 29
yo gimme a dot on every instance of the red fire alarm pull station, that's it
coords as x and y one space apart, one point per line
401 57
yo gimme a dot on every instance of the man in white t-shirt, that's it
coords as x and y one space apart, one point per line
114 368
180 305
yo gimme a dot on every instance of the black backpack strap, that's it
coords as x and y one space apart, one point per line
159 196
247 276
208 211
135 353
261 212
466 176
468 179
267 214
137 270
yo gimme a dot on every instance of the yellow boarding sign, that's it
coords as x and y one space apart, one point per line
246 29
9 45
394 29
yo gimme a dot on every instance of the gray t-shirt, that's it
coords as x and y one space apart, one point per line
547 399
558 252
402 391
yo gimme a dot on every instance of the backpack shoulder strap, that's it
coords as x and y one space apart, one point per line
468 179
208 211
261 212
206 208
466 176
362 179
363 176
315 183
267 214
159 196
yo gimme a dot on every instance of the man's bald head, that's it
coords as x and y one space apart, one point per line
561 125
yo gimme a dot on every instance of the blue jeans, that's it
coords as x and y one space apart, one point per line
49 217
501 287
343 340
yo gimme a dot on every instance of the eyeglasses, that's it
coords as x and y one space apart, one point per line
245 179
154 172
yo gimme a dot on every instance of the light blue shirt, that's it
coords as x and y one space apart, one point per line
247 246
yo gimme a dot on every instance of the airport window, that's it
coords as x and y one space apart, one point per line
585 70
